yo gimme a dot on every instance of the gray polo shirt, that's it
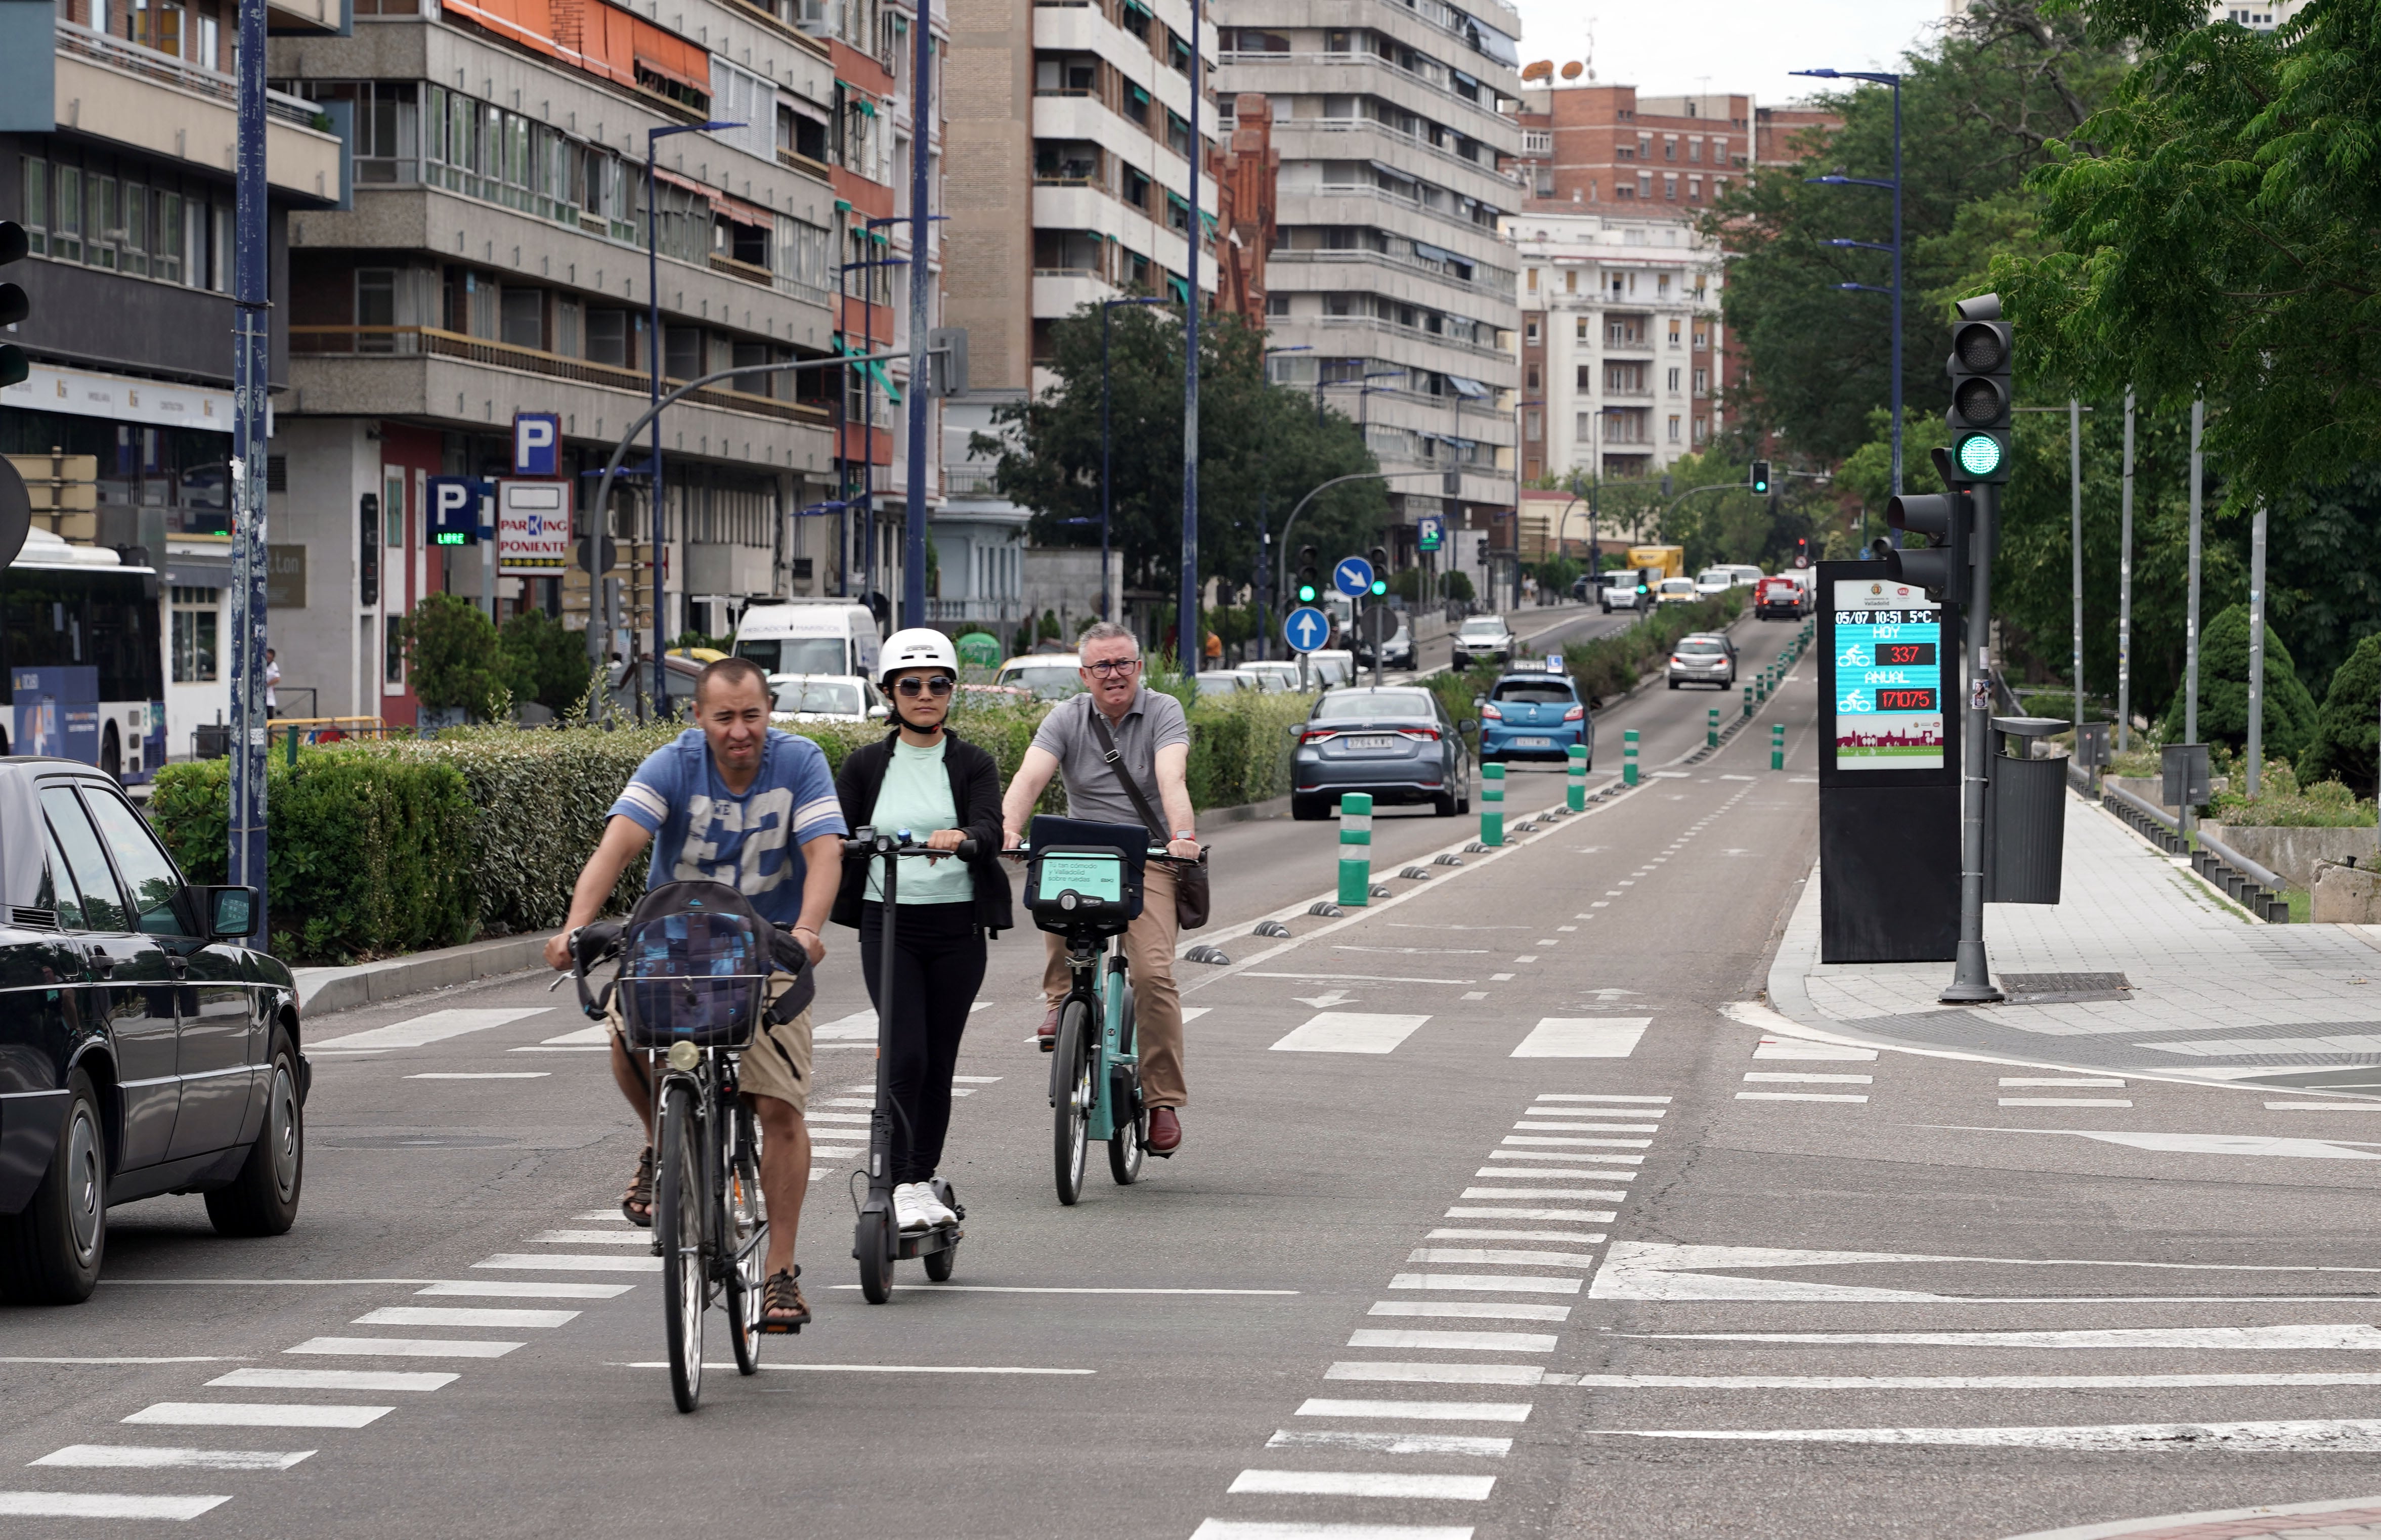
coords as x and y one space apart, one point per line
1155 722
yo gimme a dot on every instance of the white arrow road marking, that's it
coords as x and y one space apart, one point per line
1323 1001
1654 1270
2353 1338
2208 1143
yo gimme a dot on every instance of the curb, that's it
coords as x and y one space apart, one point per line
335 989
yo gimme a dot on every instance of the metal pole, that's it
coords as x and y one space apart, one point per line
867 429
653 351
1104 503
2125 596
1972 969
1896 287
1186 618
251 375
2256 746
2191 611
2075 543
913 560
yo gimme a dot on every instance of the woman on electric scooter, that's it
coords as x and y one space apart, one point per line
926 780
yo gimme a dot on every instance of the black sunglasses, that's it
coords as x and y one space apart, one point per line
938 686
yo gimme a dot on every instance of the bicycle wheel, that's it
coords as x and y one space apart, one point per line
677 1221
871 1243
1071 1100
1125 1145
744 1236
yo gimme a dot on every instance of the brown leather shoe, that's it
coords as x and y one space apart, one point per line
1164 1131
1048 1035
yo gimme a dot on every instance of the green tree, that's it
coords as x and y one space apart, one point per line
2347 727
540 660
2289 710
453 653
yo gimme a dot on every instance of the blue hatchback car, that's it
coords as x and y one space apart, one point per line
1530 714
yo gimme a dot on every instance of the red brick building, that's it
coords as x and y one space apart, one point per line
1604 147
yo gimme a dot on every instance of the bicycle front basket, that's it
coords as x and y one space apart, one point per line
693 969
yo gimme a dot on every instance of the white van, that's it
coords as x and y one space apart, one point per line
809 636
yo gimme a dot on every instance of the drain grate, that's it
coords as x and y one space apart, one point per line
2057 989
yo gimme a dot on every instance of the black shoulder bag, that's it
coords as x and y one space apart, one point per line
1192 894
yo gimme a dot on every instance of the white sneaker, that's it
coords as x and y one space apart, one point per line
908 1212
937 1212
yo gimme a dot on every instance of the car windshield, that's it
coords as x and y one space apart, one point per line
1484 628
1718 576
1221 684
840 698
795 655
1677 585
1534 692
1698 647
1365 705
1049 681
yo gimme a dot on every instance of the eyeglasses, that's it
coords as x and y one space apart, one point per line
937 685
1119 666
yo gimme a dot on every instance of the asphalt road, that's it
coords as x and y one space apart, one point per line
1490 1221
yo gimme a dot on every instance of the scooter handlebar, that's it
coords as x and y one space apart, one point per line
874 842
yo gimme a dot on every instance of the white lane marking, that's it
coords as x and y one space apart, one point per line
1190 1013
2016 1082
871 1368
141 1456
419 1380
1572 1096
859 1026
1240 1529
420 1032
1781 1077
1456 1341
2313 1107
1962 1382
598 1036
212 1358
401 1346
1583 1037
2062 1101
2208 1144
1509 1173
257 1415
1437 1374
2352 1338
436 1316
1471 1310
1603 1194
1392 1443
630 1237
1583 1237
1798 1096
1571 1155
482 1075
561 1048
1569 1142
1022 1288
1566 927
111 1505
1579 1215
1350 1032
1548 1127
846 1101
843 1118
2348 1043
1354 978
1475 993
1657 1270
564 1262
495 1288
995 1079
1421 1411
1789 1047
2347 1436
1530 959
1486 1283
1364 1484
1496 978
1476 1257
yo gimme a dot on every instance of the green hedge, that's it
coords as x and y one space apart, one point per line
1606 667
1240 748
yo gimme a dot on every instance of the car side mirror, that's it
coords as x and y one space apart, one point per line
1469 724
229 913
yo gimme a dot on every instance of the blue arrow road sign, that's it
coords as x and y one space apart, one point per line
1352 577
1306 627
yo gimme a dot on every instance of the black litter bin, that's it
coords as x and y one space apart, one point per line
2025 815
211 740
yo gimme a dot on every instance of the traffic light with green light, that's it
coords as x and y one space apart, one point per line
1309 588
1982 351
1380 571
1760 479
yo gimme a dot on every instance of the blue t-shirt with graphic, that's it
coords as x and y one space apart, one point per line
702 832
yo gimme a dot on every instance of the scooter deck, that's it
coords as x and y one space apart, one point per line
940 1238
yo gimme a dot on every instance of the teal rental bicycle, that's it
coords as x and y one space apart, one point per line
1083 882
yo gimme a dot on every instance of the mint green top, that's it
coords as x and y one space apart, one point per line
916 796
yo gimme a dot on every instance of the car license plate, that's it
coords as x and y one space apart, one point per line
1374 741
1534 743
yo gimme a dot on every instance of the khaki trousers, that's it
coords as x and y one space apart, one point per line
1156 1004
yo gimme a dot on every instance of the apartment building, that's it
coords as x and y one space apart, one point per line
1600 146
1621 352
1778 132
117 132
1389 271
492 262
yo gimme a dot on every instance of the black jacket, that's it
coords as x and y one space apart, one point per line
975 793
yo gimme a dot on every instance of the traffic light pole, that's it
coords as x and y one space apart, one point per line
251 374
1971 982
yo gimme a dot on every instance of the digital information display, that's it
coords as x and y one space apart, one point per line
1888 677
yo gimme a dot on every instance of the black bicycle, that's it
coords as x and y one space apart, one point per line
690 994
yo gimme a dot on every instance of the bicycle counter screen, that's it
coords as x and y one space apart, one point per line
1888 678
1099 877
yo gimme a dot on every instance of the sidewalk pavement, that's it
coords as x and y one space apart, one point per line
322 990
2205 991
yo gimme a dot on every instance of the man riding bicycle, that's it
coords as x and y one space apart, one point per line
733 800
1152 743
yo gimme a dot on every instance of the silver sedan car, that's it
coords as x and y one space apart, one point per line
1704 659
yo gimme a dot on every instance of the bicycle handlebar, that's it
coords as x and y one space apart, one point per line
871 842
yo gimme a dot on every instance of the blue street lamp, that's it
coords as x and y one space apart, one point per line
1884 79
1105 306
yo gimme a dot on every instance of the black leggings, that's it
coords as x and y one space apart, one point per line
936 977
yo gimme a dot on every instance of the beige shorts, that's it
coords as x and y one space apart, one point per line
778 1062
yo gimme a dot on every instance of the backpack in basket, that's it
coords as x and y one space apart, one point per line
695 963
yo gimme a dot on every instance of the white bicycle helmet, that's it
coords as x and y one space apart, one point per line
918 647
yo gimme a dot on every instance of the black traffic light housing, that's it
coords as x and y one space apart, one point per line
14 306
1380 571
1308 587
1983 350
1940 565
1760 479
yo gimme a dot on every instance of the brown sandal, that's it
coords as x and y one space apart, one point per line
782 1305
636 1203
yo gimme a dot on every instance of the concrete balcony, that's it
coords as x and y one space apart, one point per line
1407 278
1087 118
1061 291
1081 29
1363 139
1369 74
1403 337
1086 208
1317 204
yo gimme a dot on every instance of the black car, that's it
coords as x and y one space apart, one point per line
1398 744
142 1050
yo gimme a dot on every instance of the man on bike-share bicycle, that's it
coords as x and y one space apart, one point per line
1143 734
733 800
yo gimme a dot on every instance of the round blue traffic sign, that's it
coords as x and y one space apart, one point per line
1352 577
1306 628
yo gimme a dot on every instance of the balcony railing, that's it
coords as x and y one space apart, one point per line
1010 610
383 342
1443 88
133 58
1485 278
1417 333
1344 125
1411 205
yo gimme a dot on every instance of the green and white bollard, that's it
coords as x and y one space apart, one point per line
1748 700
1355 848
1628 757
1711 730
1776 751
1761 686
1575 790
1492 806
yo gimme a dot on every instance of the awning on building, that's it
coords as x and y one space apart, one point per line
1472 388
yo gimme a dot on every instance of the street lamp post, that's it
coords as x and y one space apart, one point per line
1884 79
1266 599
1106 305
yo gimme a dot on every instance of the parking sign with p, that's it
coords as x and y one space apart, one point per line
537 443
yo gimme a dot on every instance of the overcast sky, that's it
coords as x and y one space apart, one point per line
1670 47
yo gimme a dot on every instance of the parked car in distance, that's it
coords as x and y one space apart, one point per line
1214 682
678 676
1282 669
809 636
1397 743
1332 666
824 698
1050 676
1714 580
1781 598
144 1050
1703 659
1397 648
1746 573
1677 591
1626 590
1484 639
1535 715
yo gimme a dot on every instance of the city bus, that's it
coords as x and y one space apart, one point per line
82 664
